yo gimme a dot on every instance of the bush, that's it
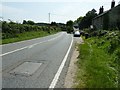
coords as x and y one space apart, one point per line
99 60
11 30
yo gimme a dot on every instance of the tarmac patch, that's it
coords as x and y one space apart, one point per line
26 69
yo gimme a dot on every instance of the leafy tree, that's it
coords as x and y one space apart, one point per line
69 23
30 22
86 21
53 24
24 22
78 20
69 26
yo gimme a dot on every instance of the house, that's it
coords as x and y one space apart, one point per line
108 20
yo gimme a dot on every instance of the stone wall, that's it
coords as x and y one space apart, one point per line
114 18
108 20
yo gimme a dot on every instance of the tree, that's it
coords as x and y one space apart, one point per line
69 26
24 22
53 24
69 23
86 21
78 20
30 22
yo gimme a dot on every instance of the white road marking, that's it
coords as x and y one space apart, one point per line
30 46
54 81
12 51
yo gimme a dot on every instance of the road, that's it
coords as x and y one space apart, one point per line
36 63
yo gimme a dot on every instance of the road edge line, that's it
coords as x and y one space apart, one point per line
56 77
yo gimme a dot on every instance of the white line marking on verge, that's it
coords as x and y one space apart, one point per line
54 81
30 46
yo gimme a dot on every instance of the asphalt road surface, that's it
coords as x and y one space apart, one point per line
36 63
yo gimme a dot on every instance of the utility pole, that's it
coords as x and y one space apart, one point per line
49 17
49 23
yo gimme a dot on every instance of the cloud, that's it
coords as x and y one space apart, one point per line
61 10
62 13
11 10
12 13
69 11
0 10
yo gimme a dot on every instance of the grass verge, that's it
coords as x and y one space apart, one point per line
96 67
27 36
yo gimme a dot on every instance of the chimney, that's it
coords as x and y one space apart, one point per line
101 10
112 4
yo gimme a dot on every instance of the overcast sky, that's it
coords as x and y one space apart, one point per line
60 10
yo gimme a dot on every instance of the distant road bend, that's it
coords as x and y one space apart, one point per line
36 63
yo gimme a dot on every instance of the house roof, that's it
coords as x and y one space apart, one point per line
106 12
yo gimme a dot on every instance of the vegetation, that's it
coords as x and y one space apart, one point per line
78 19
13 32
69 26
86 21
98 64
29 22
54 24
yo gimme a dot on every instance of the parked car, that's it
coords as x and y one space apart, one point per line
76 34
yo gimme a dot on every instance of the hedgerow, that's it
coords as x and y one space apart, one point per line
11 30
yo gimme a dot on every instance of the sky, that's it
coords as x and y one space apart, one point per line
60 10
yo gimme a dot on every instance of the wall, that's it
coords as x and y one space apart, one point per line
114 17
108 20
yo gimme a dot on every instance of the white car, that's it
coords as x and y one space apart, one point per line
76 34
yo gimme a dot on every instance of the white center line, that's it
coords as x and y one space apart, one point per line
54 81
30 46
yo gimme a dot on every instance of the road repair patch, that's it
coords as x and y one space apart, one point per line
26 69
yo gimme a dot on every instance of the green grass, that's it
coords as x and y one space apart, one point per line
96 68
27 36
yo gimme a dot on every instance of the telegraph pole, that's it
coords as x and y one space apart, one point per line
49 17
49 23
